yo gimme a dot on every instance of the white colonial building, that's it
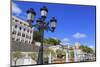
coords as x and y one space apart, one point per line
21 41
21 30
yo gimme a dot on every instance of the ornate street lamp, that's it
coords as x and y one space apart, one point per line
41 25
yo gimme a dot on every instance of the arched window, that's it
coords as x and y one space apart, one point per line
23 35
20 28
30 37
14 32
26 36
19 34
17 39
20 22
13 38
28 30
15 26
16 20
25 41
24 29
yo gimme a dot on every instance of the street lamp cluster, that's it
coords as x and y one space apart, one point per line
41 25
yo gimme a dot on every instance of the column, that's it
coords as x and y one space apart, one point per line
67 56
49 58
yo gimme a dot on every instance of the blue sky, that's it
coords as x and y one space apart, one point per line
75 23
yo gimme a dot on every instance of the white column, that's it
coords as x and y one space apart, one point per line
75 55
67 56
49 58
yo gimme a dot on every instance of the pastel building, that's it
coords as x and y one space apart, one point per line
21 31
80 55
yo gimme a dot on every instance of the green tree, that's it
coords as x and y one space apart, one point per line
86 49
16 55
37 36
52 41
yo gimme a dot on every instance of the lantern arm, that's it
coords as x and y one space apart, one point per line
48 28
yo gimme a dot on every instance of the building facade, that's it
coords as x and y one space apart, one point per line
21 31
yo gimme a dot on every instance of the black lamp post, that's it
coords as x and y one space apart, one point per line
41 25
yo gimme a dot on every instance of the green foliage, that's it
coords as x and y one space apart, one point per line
33 56
52 41
72 54
37 36
60 53
16 55
86 49
47 51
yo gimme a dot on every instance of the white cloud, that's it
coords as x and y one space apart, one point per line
15 9
65 41
79 35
